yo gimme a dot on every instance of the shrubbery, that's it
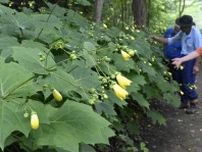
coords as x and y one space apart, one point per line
104 81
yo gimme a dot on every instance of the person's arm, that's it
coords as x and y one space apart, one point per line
168 40
160 39
175 38
196 67
178 61
197 44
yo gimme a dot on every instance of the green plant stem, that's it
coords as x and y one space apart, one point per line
20 85
47 19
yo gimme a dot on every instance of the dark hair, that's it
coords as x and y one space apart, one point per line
186 20
177 21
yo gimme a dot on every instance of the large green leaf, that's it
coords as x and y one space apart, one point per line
105 107
7 41
151 91
30 58
137 82
83 2
140 99
147 69
86 77
89 46
156 117
86 148
174 100
14 80
46 22
63 81
4 1
71 124
12 119
121 64
90 60
76 20
15 83
33 44
46 26
6 10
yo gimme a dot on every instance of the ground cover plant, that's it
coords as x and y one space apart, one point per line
68 84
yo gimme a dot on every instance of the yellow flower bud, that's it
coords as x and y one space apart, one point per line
34 120
123 81
57 96
132 38
105 26
125 55
131 52
120 92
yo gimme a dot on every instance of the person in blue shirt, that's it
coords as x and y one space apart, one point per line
173 50
191 39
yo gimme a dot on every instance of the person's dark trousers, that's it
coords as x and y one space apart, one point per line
176 73
188 79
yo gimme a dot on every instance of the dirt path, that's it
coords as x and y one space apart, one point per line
183 133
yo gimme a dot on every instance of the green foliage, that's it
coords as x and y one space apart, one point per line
156 117
12 120
82 2
54 50
69 125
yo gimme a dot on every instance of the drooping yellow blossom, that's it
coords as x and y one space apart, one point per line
120 92
34 120
125 55
123 81
57 96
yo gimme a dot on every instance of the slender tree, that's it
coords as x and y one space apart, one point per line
140 12
181 7
98 10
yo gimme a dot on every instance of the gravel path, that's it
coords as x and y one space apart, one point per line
183 133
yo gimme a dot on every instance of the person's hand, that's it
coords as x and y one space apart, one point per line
196 69
177 62
153 37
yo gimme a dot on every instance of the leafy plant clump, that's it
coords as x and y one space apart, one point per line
66 82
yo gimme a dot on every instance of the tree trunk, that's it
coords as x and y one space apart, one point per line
98 10
181 7
140 12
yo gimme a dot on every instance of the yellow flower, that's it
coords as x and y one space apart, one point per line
125 55
120 92
123 81
57 96
34 121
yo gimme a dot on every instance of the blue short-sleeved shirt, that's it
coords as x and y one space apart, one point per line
190 42
172 50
